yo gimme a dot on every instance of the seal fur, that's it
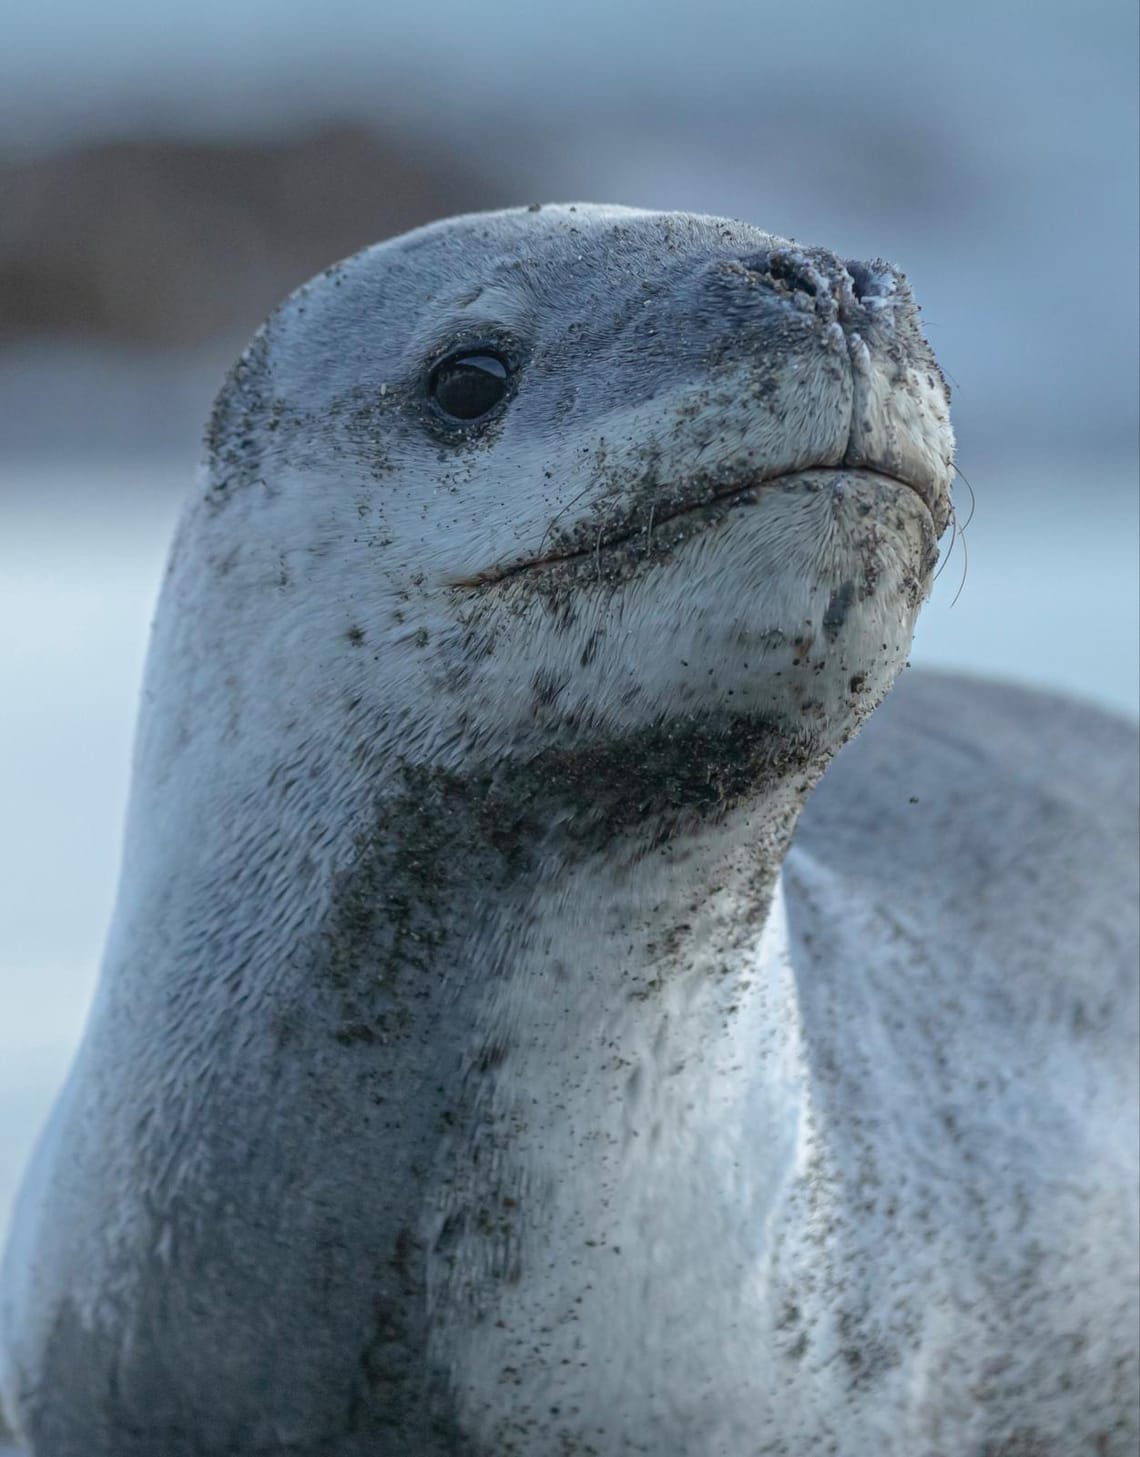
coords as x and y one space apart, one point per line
465 1074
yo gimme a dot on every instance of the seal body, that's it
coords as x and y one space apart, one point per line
474 1069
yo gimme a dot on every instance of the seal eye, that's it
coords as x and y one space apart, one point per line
469 386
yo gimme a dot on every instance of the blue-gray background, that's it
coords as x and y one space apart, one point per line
989 148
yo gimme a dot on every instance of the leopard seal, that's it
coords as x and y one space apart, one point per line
477 1067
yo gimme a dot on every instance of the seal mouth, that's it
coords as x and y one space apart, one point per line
636 540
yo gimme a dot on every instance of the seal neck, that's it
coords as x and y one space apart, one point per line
607 1091
448 1075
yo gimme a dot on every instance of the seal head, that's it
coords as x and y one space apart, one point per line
705 474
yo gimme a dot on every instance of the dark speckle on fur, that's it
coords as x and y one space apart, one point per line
837 609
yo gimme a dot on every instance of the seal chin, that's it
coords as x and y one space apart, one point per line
793 602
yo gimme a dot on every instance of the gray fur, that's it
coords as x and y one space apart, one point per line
474 1070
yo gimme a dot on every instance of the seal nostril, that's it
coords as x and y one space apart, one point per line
867 280
791 272
785 269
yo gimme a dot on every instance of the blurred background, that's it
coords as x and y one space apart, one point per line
167 173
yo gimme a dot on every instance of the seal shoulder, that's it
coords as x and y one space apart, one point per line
1007 813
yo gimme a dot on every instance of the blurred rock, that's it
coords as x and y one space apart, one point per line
182 242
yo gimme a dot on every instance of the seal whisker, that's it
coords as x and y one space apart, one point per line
573 501
965 567
973 499
953 523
